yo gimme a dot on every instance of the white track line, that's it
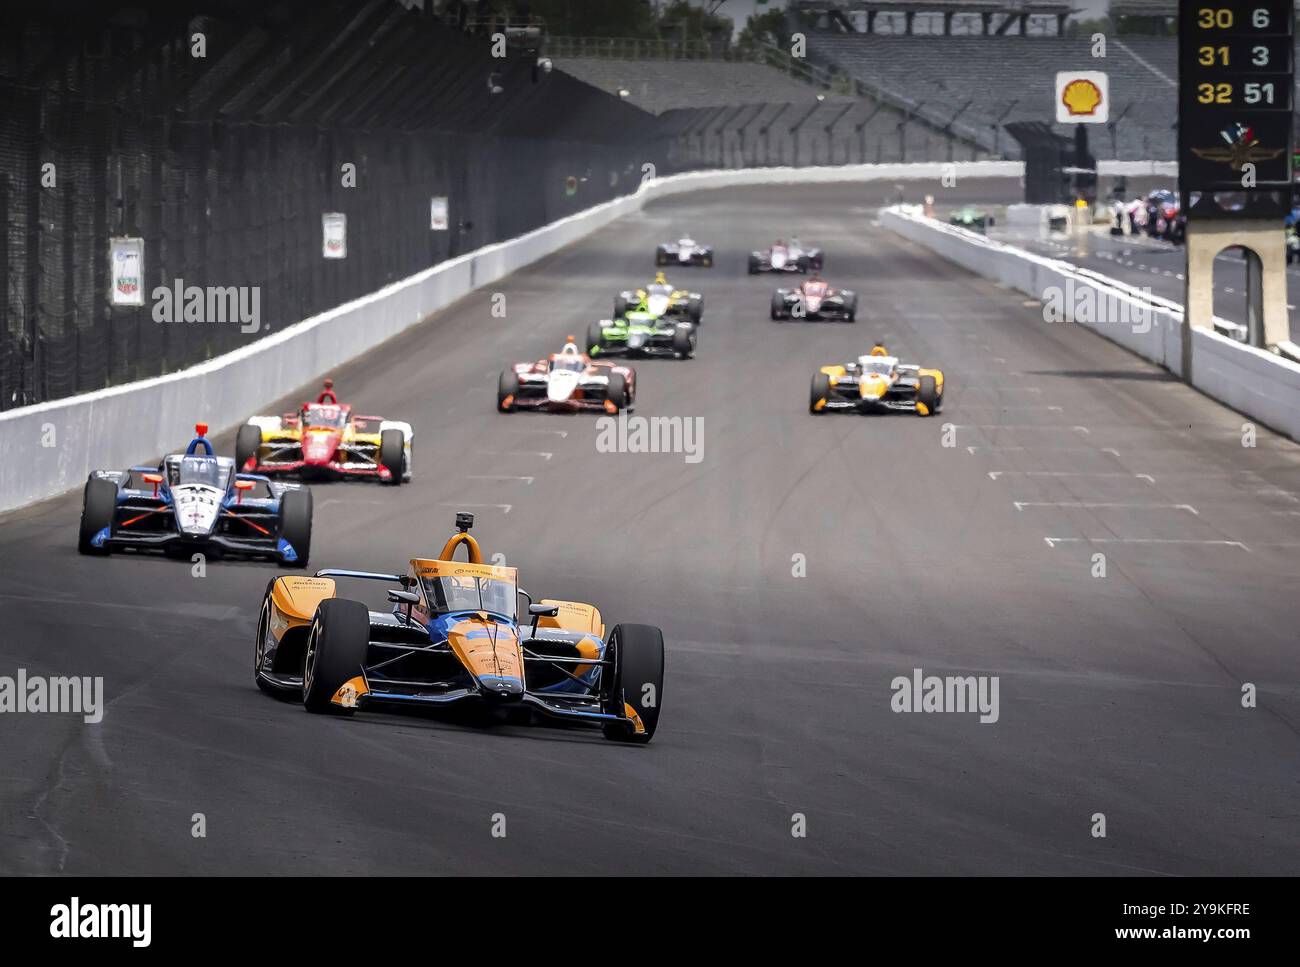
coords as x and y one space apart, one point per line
1111 450
1088 505
504 508
995 474
1053 541
517 453
499 476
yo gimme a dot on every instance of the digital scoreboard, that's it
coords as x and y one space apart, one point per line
1236 63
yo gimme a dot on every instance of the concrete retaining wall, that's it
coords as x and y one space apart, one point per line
1260 384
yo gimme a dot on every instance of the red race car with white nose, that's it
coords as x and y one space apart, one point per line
815 299
326 439
567 381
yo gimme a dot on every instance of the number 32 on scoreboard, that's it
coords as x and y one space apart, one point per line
1221 93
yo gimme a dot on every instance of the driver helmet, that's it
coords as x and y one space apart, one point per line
660 279
879 350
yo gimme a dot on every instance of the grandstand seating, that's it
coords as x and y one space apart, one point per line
659 86
1012 78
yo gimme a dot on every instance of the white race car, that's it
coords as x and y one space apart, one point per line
684 251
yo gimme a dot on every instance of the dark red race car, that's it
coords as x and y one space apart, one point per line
326 439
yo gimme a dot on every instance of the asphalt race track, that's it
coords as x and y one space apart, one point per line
1119 695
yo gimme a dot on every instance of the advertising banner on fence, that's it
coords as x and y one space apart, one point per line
334 228
438 214
126 271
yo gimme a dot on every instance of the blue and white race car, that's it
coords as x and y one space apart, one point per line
196 501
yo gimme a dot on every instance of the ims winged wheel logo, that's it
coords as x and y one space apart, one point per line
1242 148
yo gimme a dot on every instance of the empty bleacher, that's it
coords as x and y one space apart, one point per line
1012 78
662 85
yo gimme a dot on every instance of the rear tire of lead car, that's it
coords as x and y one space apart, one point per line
753 265
392 454
98 505
820 393
247 443
638 680
295 525
778 306
336 650
927 392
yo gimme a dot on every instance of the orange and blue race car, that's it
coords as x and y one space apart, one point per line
874 382
326 439
454 636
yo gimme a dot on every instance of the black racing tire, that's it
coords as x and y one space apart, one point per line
247 443
98 506
594 334
820 391
620 306
263 628
707 261
616 391
507 389
852 314
684 342
778 310
638 680
695 308
661 257
295 525
336 649
927 392
392 454
804 264
753 265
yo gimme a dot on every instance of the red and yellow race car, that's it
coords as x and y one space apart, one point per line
326 439
567 381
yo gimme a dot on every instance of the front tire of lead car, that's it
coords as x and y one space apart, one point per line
637 652
336 650
98 506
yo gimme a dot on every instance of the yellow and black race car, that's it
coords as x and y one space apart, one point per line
877 381
661 300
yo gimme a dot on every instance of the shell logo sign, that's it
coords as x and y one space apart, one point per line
1082 97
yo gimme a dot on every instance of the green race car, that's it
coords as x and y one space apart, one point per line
640 333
